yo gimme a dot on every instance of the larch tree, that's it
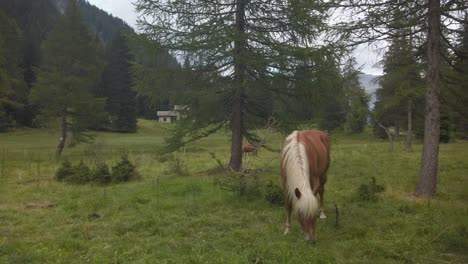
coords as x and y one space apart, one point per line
70 67
233 45
401 85
431 22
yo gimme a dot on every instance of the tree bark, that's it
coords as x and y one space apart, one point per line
235 161
409 132
63 134
427 181
237 121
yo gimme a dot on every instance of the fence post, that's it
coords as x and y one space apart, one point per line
3 163
38 172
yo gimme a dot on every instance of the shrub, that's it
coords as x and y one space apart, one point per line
274 193
177 165
244 184
163 158
101 174
367 192
81 174
124 170
64 171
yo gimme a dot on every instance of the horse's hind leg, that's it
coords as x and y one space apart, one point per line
288 217
321 191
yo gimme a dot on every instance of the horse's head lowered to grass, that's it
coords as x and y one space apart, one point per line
304 165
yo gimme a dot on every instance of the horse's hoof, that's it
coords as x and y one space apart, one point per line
311 241
322 216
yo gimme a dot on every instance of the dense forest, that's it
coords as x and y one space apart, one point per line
29 56
71 65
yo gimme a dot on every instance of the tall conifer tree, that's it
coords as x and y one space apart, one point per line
117 86
71 64
432 24
236 43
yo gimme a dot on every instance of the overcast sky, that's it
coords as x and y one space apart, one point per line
124 9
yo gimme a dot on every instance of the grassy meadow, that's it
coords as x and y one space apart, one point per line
169 218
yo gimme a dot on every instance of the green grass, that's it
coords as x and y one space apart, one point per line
165 218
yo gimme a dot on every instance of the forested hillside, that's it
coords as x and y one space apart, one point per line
101 23
25 27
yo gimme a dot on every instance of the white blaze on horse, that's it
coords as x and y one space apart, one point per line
304 165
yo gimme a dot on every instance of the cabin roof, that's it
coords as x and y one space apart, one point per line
167 113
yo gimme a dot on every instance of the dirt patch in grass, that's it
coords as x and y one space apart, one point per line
39 204
35 181
9 206
28 205
410 197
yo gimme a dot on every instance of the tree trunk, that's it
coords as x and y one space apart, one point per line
427 181
63 136
237 121
236 138
409 132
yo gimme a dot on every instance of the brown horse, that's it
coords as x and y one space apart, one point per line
304 165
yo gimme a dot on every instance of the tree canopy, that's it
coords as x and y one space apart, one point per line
236 43
433 26
71 65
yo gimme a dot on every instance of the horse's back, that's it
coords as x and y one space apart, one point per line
317 145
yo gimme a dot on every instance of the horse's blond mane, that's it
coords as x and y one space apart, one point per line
296 168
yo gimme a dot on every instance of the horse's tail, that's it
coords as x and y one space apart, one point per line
296 168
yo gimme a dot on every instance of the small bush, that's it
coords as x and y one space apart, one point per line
124 170
176 165
102 174
274 193
81 174
367 192
64 171
163 158
244 184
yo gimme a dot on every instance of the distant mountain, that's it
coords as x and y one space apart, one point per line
37 17
370 84
104 25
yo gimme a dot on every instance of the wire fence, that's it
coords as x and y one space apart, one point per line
29 158
39 164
